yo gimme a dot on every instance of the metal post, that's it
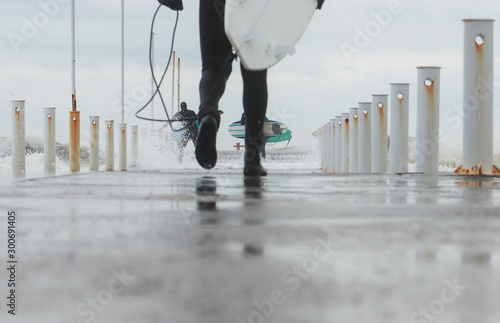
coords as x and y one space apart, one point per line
379 133
144 134
400 103
428 119
364 137
345 143
322 136
332 146
173 84
49 143
74 141
123 64
73 55
110 145
320 141
325 144
328 148
353 140
123 147
478 97
18 139
338 144
74 115
135 145
320 148
178 84
94 144
153 87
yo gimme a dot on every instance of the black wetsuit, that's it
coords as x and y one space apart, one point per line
190 130
215 48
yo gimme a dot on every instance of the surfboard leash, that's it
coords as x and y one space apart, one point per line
158 84
274 144
282 149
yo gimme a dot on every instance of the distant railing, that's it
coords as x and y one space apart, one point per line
357 142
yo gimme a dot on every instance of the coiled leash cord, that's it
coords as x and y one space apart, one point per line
158 85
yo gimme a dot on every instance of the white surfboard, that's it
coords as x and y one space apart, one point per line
263 32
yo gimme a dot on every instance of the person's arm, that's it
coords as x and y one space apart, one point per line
172 4
320 3
192 115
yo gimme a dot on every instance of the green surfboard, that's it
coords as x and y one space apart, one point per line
283 137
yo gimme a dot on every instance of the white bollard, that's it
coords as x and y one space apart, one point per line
338 144
144 134
110 145
94 144
400 103
320 141
122 148
135 145
152 136
478 97
321 148
345 143
353 140
327 146
49 142
428 89
379 133
332 145
18 139
364 137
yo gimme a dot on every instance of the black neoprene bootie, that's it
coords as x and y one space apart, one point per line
206 148
254 136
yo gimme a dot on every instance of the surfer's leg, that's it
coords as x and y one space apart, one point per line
194 137
255 106
215 48
182 146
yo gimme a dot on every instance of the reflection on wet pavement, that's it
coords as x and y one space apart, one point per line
220 248
206 191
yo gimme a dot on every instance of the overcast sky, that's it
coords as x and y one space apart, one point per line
306 90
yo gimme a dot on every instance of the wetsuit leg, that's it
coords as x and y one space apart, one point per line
194 138
215 48
182 146
255 99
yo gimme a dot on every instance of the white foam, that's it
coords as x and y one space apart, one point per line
157 154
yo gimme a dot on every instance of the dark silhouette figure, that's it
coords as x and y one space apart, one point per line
190 132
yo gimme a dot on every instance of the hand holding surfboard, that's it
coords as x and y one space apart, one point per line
172 4
263 32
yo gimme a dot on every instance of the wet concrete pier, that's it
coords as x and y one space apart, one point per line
301 246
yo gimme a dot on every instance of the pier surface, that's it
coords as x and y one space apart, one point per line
299 246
